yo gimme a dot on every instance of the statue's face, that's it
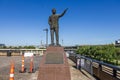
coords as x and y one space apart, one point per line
54 11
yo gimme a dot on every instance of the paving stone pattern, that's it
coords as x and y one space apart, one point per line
5 68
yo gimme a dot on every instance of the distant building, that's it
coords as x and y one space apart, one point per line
117 43
2 45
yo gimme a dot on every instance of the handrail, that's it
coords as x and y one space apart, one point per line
100 62
115 69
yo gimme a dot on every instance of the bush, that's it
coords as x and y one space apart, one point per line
106 53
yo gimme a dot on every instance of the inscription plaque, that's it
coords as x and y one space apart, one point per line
54 58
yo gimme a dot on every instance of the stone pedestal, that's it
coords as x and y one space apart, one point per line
54 65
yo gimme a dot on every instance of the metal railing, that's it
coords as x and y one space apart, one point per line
99 69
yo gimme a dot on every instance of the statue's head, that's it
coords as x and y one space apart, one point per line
54 11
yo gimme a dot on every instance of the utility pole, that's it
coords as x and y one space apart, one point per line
46 36
62 42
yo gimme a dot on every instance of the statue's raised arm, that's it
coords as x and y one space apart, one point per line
63 12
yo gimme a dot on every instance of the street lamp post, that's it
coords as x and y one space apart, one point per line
62 42
46 36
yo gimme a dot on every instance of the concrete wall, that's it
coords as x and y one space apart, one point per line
19 52
3 53
102 75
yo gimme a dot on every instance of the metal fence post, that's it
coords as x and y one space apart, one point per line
99 69
114 73
91 67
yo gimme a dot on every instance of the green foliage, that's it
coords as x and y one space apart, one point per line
29 47
18 47
107 53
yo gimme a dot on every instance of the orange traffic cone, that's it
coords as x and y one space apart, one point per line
12 71
31 65
22 66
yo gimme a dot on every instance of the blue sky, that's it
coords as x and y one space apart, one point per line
86 21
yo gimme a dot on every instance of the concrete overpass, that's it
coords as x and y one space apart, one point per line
15 52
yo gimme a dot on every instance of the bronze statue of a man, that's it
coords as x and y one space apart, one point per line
54 25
